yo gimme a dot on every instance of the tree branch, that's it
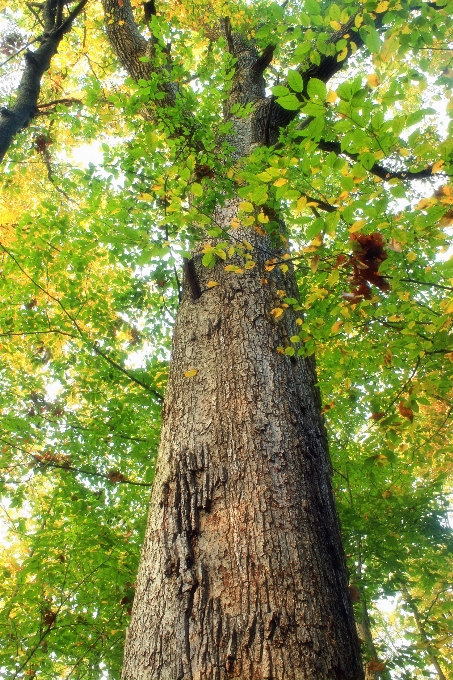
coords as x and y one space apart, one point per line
376 169
19 115
113 363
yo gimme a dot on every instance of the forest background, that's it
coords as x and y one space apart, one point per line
95 223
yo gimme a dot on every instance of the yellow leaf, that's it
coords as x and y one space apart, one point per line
405 152
331 97
411 257
336 326
191 373
449 356
146 197
234 268
357 226
335 25
276 312
250 264
448 307
343 54
248 245
299 321
281 293
382 6
373 80
245 206
280 182
284 268
211 284
437 167
358 21
314 264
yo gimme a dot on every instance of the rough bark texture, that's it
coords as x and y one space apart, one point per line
242 572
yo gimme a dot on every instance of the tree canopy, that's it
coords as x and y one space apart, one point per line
110 181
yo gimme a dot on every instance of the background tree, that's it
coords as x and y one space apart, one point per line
198 156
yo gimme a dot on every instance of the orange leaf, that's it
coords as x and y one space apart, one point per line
406 412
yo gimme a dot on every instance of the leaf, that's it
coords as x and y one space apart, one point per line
382 6
211 284
279 90
371 37
312 7
281 181
316 89
277 312
373 80
331 97
191 373
245 206
389 48
295 81
197 189
405 411
357 226
289 102
437 166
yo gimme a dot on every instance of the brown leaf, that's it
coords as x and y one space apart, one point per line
354 592
405 411
115 476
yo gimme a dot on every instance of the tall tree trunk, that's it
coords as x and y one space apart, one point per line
242 573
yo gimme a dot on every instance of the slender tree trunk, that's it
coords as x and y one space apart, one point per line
242 572
422 632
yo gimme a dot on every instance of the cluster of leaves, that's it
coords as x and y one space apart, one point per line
91 269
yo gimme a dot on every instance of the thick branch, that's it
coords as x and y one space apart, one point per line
129 46
24 109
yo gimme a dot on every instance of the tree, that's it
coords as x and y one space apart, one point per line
302 222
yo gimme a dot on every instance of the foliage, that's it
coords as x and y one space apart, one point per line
99 207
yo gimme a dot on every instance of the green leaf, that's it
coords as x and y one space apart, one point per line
312 7
196 189
316 89
295 81
279 90
289 102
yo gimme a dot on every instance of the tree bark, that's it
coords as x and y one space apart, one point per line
242 573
